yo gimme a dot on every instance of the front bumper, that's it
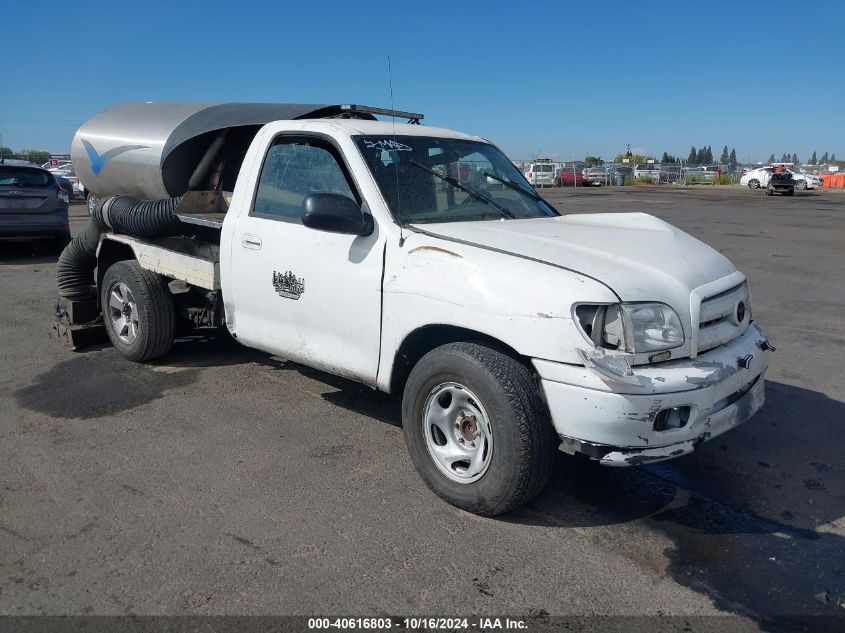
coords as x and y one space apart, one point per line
615 422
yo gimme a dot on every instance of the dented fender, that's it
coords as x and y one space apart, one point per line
523 303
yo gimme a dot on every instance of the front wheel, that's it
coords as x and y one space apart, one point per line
477 429
753 184
138 311
801 185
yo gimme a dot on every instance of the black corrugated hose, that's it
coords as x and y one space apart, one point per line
122 214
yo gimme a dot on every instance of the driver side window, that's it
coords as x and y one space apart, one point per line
293 169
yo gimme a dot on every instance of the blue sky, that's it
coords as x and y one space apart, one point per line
563 78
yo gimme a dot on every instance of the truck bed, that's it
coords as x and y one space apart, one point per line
204 208
194 261
208 220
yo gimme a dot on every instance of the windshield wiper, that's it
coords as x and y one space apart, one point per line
510 184
468 190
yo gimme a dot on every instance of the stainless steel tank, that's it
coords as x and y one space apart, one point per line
150 150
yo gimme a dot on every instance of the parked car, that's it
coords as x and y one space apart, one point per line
756 178
67 172
541 174
702 173
567 177
759 177
647 171
624 170
33 204
803 180
596 176
781 182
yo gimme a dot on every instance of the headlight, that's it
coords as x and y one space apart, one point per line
632 327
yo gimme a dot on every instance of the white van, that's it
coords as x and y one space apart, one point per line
541 174
651 170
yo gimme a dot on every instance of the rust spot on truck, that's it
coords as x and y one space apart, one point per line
434 249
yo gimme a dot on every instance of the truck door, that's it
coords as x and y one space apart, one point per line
307 295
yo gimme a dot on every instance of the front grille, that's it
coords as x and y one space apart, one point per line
719 321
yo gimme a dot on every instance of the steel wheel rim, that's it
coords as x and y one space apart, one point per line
123 312
457 433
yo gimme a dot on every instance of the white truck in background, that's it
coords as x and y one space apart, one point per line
508 330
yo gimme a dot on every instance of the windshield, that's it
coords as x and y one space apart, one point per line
431 179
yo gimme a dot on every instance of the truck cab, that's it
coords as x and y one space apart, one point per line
507 329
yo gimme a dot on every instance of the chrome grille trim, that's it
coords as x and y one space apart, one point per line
718 323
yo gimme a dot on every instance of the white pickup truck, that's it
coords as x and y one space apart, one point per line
507 329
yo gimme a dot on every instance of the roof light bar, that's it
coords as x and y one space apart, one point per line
413 117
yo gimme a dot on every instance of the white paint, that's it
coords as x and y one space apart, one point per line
197 271
582 408
516 281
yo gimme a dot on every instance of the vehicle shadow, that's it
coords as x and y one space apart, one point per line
23 252
349 394
208 347
755 517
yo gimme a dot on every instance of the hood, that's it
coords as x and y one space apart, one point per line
640 257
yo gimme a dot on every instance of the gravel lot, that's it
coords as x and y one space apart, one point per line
224 481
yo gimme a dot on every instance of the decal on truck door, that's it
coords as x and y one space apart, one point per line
288 285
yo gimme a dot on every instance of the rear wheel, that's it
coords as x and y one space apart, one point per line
476 428
753 184
138 311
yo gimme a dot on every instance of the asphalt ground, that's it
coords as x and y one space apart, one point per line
220 480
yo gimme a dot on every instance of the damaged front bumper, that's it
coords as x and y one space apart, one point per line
622 424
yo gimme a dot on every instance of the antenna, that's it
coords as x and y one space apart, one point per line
395 162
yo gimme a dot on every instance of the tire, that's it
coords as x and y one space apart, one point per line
149 322
801 185
769 191
557 183
493 399
753 184
791 192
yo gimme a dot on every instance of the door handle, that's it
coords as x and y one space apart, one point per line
249 240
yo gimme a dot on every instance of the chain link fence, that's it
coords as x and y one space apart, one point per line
579 174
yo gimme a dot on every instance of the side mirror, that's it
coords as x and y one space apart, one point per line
336 214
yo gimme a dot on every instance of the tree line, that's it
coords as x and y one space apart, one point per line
702 156
37 156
